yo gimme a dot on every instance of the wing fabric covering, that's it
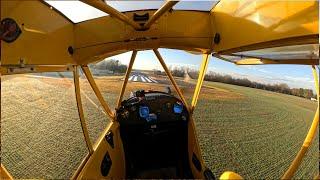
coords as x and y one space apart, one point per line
243 27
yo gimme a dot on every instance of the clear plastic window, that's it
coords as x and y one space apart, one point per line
41 134
96 118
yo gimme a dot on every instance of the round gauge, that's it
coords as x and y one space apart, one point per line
9 30
125 114
168 105
178 107
144 111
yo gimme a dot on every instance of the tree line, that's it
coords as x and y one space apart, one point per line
112 65
116 67
280 88
175 71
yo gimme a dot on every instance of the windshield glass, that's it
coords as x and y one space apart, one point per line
78 11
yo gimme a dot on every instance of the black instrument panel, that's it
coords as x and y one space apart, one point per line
154 133
151 108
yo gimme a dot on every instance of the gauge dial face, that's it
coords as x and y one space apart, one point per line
9 30
178 108
144 111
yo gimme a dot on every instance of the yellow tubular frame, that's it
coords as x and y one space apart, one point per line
8 70
202 73
99 4
125 81
80 109
316 80
308 140
166 7
96 90
4 174
175 85
79 168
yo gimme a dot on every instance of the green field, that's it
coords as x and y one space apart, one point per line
253 132
257 135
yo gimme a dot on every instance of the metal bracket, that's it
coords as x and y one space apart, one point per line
109 138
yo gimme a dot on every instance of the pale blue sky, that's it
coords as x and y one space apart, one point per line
293 75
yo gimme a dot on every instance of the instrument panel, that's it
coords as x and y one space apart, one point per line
153 107
154 133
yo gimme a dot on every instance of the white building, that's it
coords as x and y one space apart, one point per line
313 99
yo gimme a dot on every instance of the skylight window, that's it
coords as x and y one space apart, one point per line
76 11
124 6
201 5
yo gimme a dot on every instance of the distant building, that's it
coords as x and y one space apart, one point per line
313 99
156 72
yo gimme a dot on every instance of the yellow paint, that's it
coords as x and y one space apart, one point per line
175 85
106 36
306 144
202 73
97 92
229 175
193 147
8 70
47 48
33 30
125 81
249 61
4 174
83 162
163 9
111 11
91 170
245 22
316 80
45 38
308 140
80 110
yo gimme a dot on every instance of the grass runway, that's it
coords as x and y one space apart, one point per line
253 132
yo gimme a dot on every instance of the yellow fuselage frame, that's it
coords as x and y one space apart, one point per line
49 37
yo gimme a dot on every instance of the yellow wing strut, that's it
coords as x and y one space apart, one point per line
316 80
125 81
4 174
113 12
80 109
166 7
202 73
308 140
175 85
96 90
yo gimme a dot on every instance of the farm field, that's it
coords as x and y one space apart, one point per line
257 135
253 132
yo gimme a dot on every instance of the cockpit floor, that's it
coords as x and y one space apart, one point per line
161 173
